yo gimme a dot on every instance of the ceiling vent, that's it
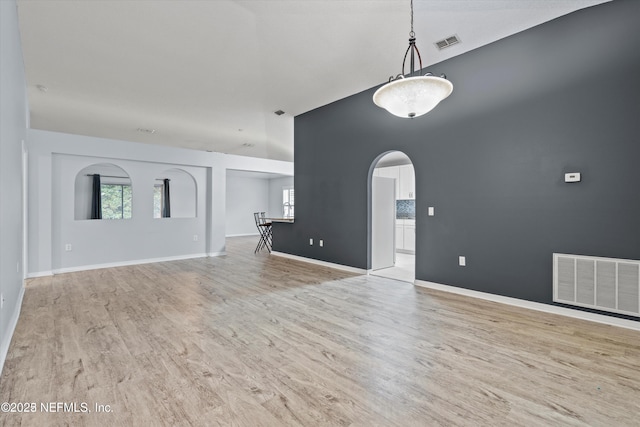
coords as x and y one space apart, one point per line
144 130
449 41
278 113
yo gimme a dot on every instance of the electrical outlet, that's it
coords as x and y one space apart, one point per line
572 177
321 243
462 261
310 242
195 237
67 247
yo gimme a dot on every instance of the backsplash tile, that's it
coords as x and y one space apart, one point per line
405 209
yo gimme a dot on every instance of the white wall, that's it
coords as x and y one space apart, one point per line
143 237
249 194
13 124
255 164
56 158
243 209
54 161
275 195
244 197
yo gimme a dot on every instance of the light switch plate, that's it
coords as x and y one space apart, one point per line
431 211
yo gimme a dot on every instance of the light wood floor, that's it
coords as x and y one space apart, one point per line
257 340
404 268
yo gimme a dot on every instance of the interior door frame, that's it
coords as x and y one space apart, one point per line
372 168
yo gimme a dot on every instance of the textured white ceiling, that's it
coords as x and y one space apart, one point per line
209 74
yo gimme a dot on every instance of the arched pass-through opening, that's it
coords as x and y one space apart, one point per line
175 189
392 209
113 191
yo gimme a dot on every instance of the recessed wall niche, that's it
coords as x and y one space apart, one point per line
175 195
103 191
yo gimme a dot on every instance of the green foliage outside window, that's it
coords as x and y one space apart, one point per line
116 201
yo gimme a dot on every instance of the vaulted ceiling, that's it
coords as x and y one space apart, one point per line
209 74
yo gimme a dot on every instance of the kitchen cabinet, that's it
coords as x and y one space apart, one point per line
405 180
410 236
399 236
407 187
406 235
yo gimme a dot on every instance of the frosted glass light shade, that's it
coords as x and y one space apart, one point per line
412 96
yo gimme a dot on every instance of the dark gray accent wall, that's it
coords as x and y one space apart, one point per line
560 97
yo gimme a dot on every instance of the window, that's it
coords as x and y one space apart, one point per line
288 202
116 201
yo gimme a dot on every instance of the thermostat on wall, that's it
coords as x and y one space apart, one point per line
572 177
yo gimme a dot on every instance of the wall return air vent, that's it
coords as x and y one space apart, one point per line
449 41
606 284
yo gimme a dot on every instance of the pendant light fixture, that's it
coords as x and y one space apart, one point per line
412 96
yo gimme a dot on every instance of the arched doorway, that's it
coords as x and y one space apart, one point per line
393 213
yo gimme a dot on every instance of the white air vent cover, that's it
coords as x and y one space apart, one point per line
449 41
606 284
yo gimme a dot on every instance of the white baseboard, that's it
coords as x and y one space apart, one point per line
546 308
13 322
120 264
406 251
322 263
39 274
126 263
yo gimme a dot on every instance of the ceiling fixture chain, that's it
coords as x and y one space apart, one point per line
411 33
411 96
